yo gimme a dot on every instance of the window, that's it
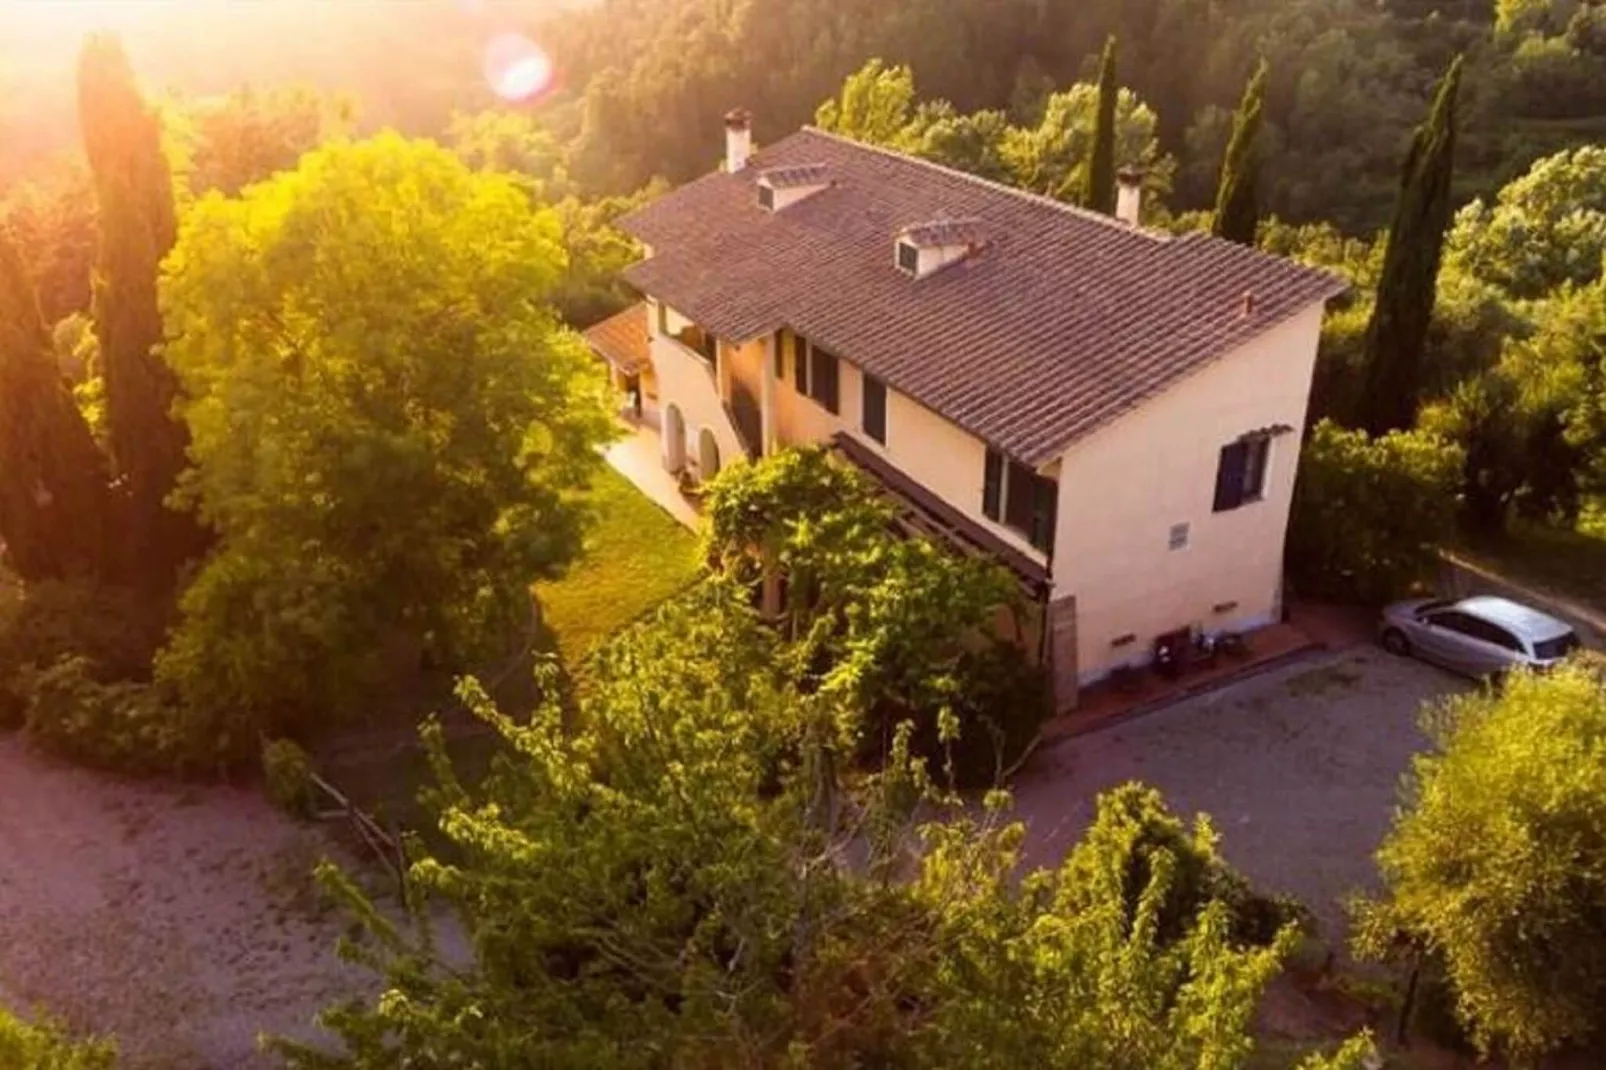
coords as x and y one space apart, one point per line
1241 472
1560 647
1452 621
778 343
908 258
663 318
800 362
1179 537
766 197
823 378
1476 628
1016 496
875 409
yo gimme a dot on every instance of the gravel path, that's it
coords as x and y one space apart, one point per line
181 920
1299 770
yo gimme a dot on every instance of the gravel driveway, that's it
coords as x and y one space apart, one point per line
1298 769
180 920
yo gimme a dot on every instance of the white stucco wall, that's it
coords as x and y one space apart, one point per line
1123 488
687 381
932 450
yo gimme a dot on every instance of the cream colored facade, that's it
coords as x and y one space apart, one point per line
1122 490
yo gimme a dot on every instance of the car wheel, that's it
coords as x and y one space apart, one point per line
1395 642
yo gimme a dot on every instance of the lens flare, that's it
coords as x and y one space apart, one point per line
516 67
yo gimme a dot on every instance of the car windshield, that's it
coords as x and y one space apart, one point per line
1559 647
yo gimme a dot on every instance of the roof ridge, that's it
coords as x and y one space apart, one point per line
1109 222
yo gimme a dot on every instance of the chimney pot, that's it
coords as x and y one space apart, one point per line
1129 196
738 138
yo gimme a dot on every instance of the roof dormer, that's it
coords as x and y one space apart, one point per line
928 247
780 187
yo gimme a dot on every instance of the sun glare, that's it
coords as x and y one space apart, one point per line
517 68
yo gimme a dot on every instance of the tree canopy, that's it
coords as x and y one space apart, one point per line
662 887
1496 864
388 425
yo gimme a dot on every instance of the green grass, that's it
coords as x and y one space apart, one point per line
636 556
1567 563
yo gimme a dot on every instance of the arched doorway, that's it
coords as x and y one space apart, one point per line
707 454
673 433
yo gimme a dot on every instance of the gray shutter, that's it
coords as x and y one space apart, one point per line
1230 476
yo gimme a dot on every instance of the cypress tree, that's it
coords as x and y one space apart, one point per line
1237 208
55 498
1398 331
1099 192
134 195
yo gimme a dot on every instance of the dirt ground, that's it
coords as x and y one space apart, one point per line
180 920
1298 769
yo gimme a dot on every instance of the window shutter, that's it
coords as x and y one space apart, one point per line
1230 476
1020 498
875 409
800 362
992 484
779 342
823 379
1045 510
663 318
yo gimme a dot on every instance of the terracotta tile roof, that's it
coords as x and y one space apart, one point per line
622 340
1062 322
944 232
808 174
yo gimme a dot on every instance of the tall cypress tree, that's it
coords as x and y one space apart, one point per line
1398 331
1099 192
55 498
134 195
1237 207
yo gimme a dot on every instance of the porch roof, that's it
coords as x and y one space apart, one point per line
622 340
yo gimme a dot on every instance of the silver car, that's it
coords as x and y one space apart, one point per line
1482 636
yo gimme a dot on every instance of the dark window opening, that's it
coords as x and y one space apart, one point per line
1241 473
875 409
1560 647
663 318
908 258
823 378
800 363
778 344
992 484
1020 497
766 197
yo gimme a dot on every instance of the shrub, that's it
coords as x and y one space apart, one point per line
42 623
43 1045
1369 514
124 725
287 771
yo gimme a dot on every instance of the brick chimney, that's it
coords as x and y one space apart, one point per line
738 138
1129 196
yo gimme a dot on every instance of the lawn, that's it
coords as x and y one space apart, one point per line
1568 563
636 556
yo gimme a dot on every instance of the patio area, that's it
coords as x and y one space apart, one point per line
637 455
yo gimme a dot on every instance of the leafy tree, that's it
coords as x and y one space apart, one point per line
512 143
56 517
1496 864
1099 191
972 143
1545 228
1369 514
252 134
52 219
388 427
897 629
134 198
1397 334
662 886
1237 208
44 1046
1053 158
876 106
